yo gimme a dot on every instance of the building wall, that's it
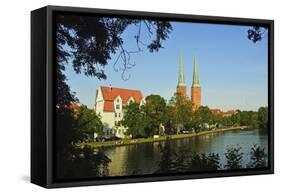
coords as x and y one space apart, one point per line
110 119
181 90
196 96
107 118
99 103
119 131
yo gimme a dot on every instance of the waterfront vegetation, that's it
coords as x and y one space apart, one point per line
186 161
90 43
156 117
80 155
157 120
129 141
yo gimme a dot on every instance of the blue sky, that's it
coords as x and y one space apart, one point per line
232 70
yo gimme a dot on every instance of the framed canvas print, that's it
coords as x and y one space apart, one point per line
125 96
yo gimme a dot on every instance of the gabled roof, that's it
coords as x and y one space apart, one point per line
109 95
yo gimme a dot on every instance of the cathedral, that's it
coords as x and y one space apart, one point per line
195 88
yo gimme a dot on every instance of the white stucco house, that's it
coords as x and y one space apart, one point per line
109 104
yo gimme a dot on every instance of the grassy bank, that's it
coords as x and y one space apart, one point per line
147 140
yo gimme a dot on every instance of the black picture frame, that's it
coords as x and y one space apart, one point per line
42 95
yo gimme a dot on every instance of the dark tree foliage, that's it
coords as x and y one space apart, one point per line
256 33
166 163
203 162
65 132
64 96
74 126
186 161
182 160
88 42
234 158
258 157
82 163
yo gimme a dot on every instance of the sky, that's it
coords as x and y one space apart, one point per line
232 70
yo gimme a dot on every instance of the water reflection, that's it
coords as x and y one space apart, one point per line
145 158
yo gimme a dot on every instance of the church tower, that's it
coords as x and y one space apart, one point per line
181 87
195 88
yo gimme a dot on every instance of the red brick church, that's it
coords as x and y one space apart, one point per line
196 91
195 88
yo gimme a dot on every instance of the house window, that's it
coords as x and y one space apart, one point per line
119 114
117 106
115 114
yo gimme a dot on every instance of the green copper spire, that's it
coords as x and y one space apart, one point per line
195 82
181 73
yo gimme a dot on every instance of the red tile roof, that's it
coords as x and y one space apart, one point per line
109 94
216 111
108 106
73 105
220 112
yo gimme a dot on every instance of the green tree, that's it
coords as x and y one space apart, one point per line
181 113
263 118
87 123
235 119
202 116
205 114
226 121
170 121
248 118
134 119
155 114
217 120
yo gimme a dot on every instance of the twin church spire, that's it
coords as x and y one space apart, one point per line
181 81
195 82
195 88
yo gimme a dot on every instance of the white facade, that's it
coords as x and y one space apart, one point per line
111 118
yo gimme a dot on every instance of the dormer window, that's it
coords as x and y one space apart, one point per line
117 100
117 106
131 100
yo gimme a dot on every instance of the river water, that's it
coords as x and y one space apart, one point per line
144 158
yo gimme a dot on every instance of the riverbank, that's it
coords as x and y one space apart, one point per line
161 138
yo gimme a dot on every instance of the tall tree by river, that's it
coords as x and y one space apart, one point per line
87 43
